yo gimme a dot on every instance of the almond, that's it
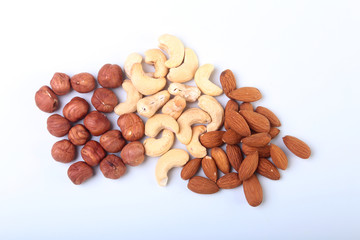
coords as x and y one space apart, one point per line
228 81
209 167
278 157
253 191
273 119
234 155
190 168
263 151
245 94
267 169
248 166
274 132
246 106
212 139
257 140
202 185
231 137
229 181
297 147
237 123
256 121
231 105
221 159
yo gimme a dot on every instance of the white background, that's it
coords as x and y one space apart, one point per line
302 55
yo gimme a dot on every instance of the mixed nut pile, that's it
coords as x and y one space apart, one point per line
248 131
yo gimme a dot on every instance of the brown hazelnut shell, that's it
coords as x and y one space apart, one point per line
57 125
110 76
112 167
133 153
97 123
104 100
60 83
92 153
63 151
46 100
76 109
79 135
83 82
112 141
79 172
132 127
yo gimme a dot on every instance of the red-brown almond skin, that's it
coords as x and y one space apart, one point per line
202 185
92 153
278 157
104 100
97 123
231 105
245 94
274 132
133 153
221 159
79 172
209 167
231 137
257 140
112 141
267 169
253 191
46 100
83 82
131 126
110 76
79 135
229 181
273 119
237 123
112 167
57 125
246 106
228 81
256 121
60 84
297 147
76 109
248 166
63 151
190 168
234 155
212 139
263 151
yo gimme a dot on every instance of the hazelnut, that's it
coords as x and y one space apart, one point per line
63 151
110 76
46 100
97 123
83 82
60 83
104 100
112 141
79 135
131 125
112 167
133 153
92 153
57 125
79 172
76 109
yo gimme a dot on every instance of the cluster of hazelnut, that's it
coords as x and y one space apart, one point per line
95 123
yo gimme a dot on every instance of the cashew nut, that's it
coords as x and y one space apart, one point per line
132 97
157 147
188 118
191 94
148 106
130 61
157 58
159 122
194 147
214 109
144 84
186 71
173 158
202 76
174 107
174 47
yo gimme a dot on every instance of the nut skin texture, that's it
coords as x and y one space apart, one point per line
112 167
92 153
112 141
57 125
79 135
83 82
63 151
46 100
79 172
76 109
97 123
60 84
110 76
132 127
104 100
133 154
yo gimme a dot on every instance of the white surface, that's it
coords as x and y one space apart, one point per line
302 55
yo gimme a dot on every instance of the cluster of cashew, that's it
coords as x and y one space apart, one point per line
181 66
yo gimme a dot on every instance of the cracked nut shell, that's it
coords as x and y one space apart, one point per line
97 123
112 167
76 109
104 100
60 83
112 141
79 172
46 100
132 127
57 125
110 76
83 82
92 153
63 151
133 153
79 135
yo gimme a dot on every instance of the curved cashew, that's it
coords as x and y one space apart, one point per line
201 78
159 122
191 94
157 58
194 147
173 158
148 106
186 71
188 118
132 97
157 147
130 61
174 47
174 107
145 84
214 109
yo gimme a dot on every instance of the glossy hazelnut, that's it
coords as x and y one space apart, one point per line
63 151
97 123
110 76
104 100
92 153
76 109
133 153
112 167
46 100
60 84
79 135
83 82
79 172
112 141
131 125
57 125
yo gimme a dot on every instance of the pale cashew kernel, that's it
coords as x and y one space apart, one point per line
173 158
157 147
190 93
194 147
144 84
148 106
174 47
159 122
130 61
174 107
157 58
202 76
214 109
132 97
186 71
